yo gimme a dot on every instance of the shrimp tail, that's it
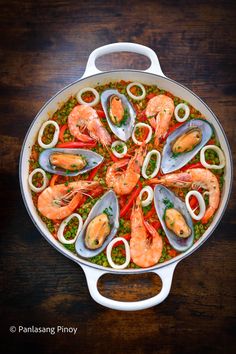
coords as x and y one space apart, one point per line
98 131
208 214
157 141
150 228
153 122
83 137
137 160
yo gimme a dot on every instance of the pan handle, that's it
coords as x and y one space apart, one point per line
93 275
154 68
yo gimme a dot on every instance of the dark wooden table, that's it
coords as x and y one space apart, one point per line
45 46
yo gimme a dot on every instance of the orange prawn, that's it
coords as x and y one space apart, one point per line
159 112
59 201
145 249
83 116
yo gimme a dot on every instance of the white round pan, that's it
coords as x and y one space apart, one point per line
92 77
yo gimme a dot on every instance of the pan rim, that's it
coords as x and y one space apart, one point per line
180 257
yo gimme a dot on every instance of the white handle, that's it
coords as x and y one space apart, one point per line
93 275
91 68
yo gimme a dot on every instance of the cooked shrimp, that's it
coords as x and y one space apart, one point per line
145 250
124 182
159 111
82 117
60 201
195 178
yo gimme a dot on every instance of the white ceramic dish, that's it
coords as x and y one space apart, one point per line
93 77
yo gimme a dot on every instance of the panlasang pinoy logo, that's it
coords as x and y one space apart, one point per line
43 329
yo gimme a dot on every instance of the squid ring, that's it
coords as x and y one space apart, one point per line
55 136
146 162
88 89
115 152
201 202
219 153
45 180
131 95
64 223
127 251
185 108
148 138
149 198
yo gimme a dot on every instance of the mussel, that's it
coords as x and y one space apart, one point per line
69 162
100 226
119 113
187 141
174 217
176 222
184 143
97 231
116 110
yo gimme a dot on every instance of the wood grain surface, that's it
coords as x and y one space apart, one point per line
45 46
